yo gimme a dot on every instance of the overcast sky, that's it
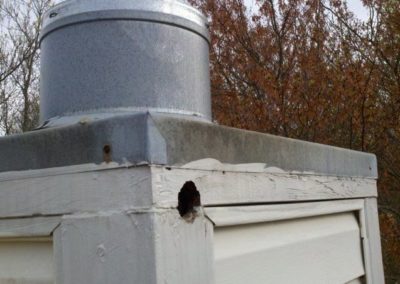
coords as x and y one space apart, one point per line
354 5
358 9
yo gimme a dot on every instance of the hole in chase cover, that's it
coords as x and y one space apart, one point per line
188 201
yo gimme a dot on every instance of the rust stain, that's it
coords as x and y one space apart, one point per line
107 151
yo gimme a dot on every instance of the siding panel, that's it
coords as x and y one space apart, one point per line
325 249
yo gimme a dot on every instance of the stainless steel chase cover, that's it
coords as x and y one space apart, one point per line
106 56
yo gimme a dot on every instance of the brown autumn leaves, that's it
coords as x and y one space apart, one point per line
309 69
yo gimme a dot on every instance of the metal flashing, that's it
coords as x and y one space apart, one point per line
172 12
171 140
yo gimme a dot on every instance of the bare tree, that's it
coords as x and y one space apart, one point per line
20 23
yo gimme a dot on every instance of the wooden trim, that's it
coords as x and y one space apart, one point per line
235 188
76 192
53 192
138 247
28 228
241 215
372 243
28 174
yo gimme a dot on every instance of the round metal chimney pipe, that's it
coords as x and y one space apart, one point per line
110 56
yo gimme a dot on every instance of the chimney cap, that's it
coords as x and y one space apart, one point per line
174 12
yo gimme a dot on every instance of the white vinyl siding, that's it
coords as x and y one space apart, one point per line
26 261
324 249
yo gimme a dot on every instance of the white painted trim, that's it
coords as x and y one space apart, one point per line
116 189
28 174
57 193
356 281
204 164
365 243
134 247
241 215
210 164
28 228
235 188
373 251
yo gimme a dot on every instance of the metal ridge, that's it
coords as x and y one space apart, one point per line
171 12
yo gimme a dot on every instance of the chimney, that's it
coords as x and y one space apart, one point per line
100 58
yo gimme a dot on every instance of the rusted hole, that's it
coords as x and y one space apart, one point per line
188 201
107 153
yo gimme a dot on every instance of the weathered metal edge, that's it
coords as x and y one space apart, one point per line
176 13
143 16
191 140
168 140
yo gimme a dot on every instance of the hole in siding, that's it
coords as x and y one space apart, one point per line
107 153
189 201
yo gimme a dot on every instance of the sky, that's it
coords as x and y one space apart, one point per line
358 9
354 5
